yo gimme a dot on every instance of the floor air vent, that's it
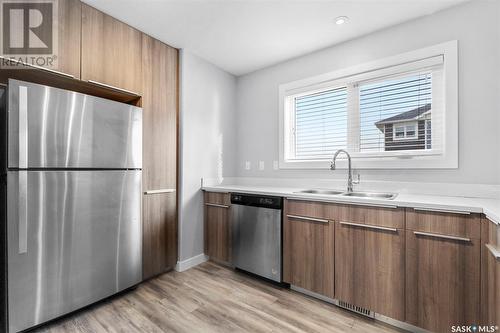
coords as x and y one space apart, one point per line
357 309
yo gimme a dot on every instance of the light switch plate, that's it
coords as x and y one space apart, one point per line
248 165
261 165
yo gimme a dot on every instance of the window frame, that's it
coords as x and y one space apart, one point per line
394 65
405 125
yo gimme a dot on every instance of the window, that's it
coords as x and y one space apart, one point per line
390 113
320 123
406 132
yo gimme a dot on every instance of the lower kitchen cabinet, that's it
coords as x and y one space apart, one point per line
490 273
218 227
159 234
370 267
442 270
308 252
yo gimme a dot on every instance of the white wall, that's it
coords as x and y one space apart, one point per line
208 148
476 25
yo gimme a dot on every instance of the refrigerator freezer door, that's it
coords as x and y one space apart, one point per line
74 237
55 128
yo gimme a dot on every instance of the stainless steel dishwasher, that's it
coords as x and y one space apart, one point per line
257 234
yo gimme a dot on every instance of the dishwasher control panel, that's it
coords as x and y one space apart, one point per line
257 200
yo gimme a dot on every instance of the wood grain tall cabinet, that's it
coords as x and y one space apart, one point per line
160 114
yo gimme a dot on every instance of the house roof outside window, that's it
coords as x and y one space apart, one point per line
415 114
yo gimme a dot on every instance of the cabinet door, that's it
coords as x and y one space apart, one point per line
69 34
308 254
442 281
490 274
369 268
218 232
159 228
111 51
159 104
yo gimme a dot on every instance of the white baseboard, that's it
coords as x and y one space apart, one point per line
184 265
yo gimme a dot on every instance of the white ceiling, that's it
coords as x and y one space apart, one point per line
241 36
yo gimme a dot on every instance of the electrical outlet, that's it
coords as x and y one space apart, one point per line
261 165
276 165
248 165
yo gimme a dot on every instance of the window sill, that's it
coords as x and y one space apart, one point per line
427 160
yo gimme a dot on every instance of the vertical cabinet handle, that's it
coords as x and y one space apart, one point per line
23 127
23 212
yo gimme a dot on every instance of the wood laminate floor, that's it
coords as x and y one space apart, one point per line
213 298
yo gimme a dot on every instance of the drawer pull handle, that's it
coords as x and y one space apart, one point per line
462 239
304 218
165 190
369 226
104 85
493 251
441 211
216 205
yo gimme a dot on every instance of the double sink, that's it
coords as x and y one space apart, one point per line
372 195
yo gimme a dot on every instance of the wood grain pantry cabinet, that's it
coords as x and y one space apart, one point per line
308 247
111 51
369 265
490 273
217 227
160 106
442 270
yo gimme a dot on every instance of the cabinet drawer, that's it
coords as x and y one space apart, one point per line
452 224
318 210
377 216
218 198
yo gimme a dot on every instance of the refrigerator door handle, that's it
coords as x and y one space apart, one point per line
23 212
23 127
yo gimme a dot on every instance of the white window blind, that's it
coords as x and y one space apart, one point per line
393 113
383 113
320 124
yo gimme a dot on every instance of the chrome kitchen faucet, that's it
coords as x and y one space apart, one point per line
349 176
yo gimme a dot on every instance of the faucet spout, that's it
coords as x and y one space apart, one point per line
333 166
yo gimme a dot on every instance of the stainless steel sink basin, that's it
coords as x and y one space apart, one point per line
388 196
374 195
325 192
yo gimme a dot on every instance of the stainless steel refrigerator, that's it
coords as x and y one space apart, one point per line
71 191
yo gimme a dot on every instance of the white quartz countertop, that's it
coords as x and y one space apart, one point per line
490 207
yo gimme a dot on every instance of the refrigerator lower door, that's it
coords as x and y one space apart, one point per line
74 237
